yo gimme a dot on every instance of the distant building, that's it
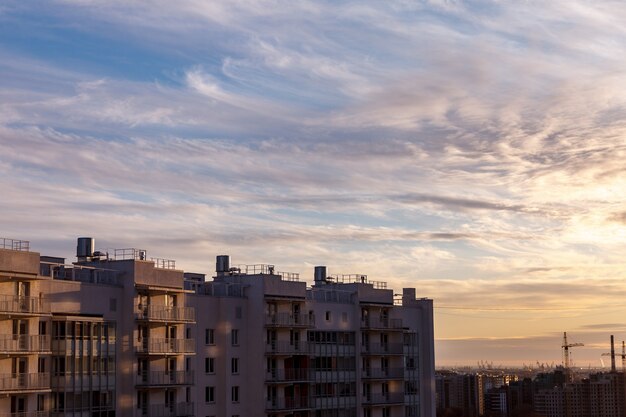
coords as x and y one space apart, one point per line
124 335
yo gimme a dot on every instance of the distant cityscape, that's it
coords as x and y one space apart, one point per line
533 391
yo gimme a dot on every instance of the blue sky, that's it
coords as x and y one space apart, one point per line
473 150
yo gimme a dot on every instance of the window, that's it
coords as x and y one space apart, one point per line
112 304
234 365
234 337
386 412
209 365
209 337
238 312
234 394
188 333
328 316
209 394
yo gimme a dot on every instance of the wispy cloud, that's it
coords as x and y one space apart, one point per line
474 150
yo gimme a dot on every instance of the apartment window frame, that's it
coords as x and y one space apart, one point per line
234 337
209 394
209 337
234 366
209 365
234 393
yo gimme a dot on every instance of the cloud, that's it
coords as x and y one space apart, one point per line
472 150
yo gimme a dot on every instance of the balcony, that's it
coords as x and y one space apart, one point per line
333 374
374 323
288 375
382 349
80 382
167 314
167 410
24 382
287 348
164 379
152 346
384 399
288 403
289 320
21 344
21 305
382 373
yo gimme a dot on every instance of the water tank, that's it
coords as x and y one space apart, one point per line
222 264
85 248
320 275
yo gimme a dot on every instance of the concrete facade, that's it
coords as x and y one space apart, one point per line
123 335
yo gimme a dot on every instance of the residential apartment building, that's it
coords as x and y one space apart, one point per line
121 334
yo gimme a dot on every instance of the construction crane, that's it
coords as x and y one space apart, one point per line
612 355
566 346
623 355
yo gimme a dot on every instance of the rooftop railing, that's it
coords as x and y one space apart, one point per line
164 263
356 278
130 253
289 276
254 269
14 244
80 273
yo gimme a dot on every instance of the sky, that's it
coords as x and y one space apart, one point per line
474 150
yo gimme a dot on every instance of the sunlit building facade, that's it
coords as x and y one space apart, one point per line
121 334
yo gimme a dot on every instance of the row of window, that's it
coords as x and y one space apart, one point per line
209 365
209 337
210 392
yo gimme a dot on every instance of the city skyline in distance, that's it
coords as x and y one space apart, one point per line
474 152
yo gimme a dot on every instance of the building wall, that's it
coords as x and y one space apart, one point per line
124 337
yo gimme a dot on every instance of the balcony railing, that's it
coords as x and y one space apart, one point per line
381 323
19 343
105 410
389 398
278 375
162 378
287 348
382 349
26 414
288 403
382 373
333 374
17 382
289 320
167 410
16 304
166 313
166 346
